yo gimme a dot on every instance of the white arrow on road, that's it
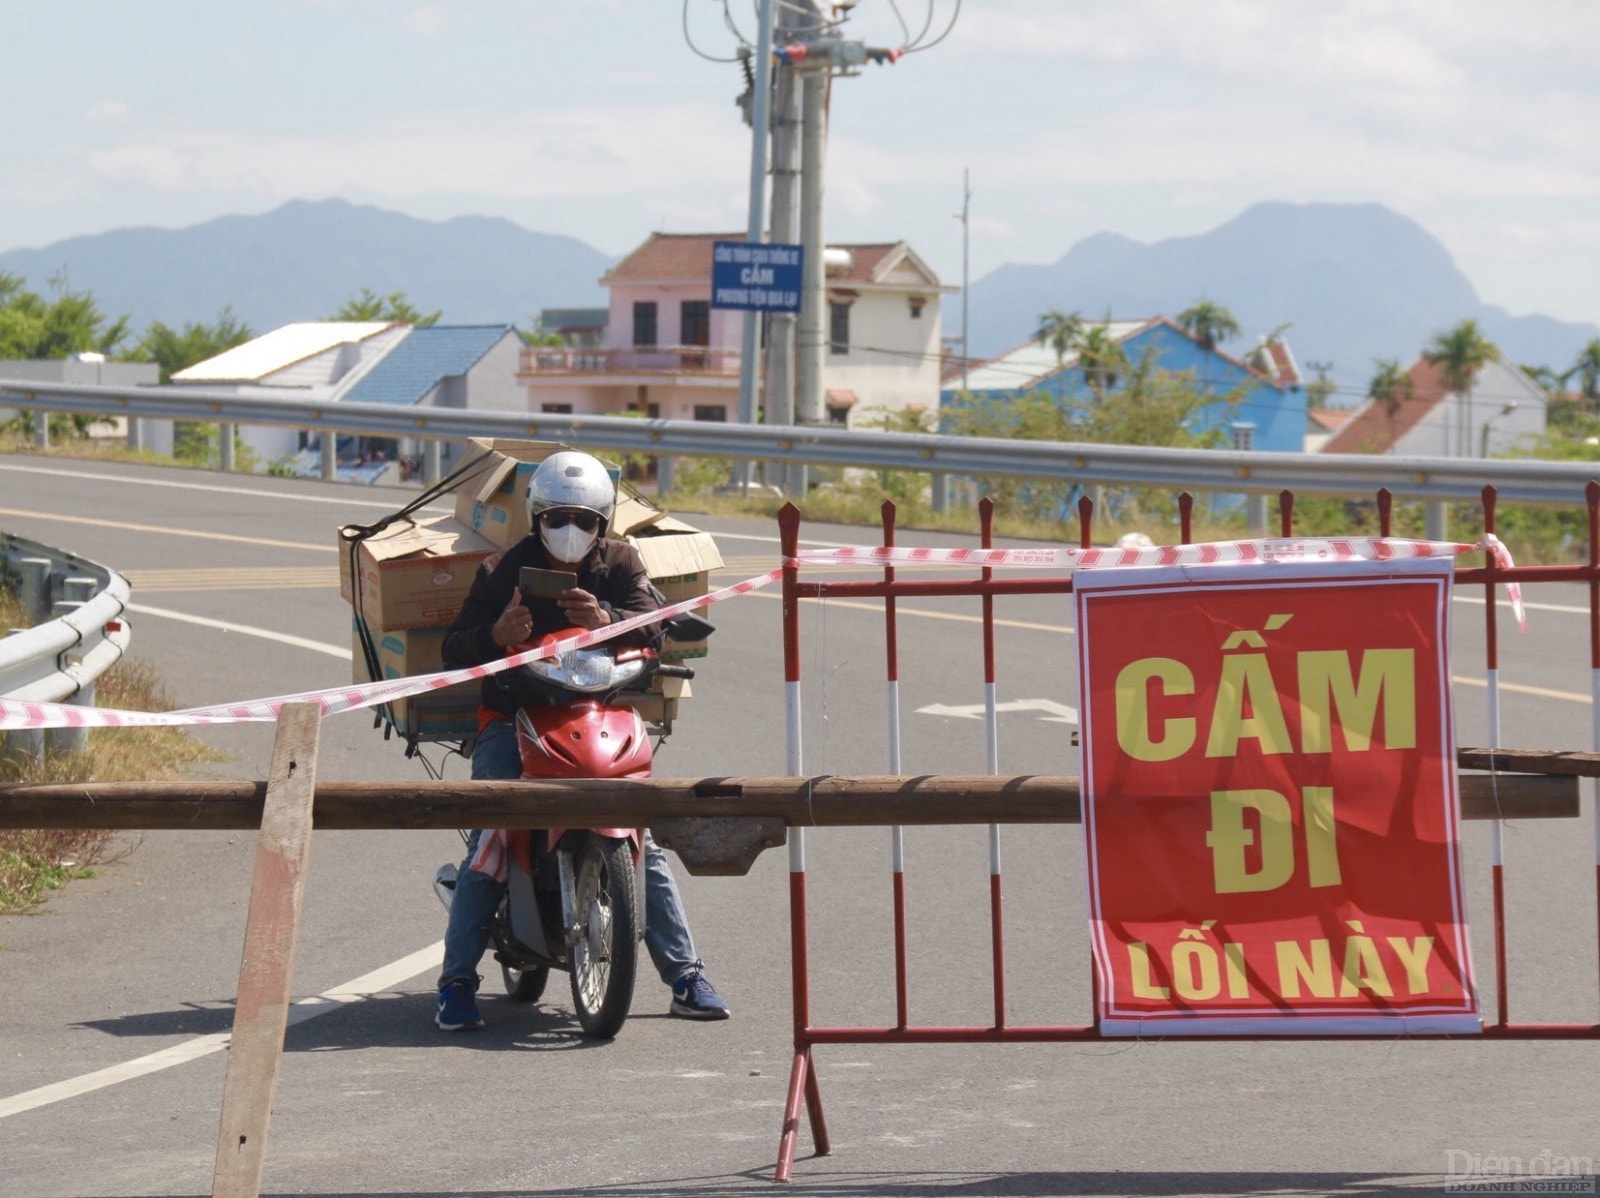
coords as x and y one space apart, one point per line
1059 713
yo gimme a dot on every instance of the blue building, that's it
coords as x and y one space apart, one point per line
1266 411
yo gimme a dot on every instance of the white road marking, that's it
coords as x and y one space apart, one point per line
1056 713
1478 601
161 530
283 638
232 578
78 475
365 986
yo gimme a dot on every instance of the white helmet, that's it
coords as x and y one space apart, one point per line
572 480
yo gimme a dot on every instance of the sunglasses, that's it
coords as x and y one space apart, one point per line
560 517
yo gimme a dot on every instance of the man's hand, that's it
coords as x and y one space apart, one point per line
515 623
582 609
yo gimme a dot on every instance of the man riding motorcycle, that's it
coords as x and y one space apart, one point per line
571 499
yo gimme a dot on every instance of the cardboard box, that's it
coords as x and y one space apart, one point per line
413 574
679 558
494 504
659 705
448 714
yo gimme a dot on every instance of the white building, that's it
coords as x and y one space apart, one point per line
1503 408
439 366
668 354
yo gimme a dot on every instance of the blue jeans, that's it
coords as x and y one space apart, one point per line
478 895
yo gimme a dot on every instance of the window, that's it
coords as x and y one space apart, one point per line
644 324
1244 436
840 416
696 326
916 304
653 411
713 412
556 409
838 328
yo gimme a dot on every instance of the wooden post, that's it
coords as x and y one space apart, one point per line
270 936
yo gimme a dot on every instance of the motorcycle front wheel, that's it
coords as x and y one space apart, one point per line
606 956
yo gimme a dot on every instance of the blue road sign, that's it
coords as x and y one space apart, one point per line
755 277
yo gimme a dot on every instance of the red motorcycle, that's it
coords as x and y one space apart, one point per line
575 896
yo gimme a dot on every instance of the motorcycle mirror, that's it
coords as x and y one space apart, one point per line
688 627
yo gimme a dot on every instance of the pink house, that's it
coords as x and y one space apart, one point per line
668 354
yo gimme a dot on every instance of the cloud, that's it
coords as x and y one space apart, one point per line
109 112
426 22
592 151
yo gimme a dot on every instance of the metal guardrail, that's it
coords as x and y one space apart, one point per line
78 633
1227 471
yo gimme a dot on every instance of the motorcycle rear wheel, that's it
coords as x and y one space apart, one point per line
606 957
525 985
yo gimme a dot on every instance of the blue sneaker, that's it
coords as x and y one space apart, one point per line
458 1007
693 997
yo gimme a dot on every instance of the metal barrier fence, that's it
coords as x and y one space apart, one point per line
1522 784
77 633
804 1090
1430 479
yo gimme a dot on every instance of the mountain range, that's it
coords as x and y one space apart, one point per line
1352 282
303 260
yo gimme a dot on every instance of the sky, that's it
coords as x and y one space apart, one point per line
598 119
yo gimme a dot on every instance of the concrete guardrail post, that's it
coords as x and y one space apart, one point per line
330 455
33 585
939 492
41 430
431 473
664 472
225 446
1256 513
1438 527
72 740
24 746
135 433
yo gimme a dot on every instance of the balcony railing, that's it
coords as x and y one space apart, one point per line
664 359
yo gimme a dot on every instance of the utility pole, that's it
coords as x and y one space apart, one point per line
811 50
811 346
760 130
784 231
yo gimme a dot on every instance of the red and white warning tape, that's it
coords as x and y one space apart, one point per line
1267 550
17 715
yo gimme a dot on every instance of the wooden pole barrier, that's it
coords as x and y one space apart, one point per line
827 801
271 933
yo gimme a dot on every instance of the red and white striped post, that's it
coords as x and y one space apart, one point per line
897 844
803 1086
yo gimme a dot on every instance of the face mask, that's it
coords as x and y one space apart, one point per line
568 543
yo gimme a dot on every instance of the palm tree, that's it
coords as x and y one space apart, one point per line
1208 323
1587 370
1460 353
1060 331
1102 360
1390 387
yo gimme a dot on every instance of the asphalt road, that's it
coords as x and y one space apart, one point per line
143 959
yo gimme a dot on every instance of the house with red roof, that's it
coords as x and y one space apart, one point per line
1428 419
667 353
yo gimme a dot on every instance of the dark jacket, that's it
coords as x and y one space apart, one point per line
611 571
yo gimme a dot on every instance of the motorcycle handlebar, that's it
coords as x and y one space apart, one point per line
675 671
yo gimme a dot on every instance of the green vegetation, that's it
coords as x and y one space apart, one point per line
1128 403
394 307
35 862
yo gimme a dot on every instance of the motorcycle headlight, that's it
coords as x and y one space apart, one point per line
588 671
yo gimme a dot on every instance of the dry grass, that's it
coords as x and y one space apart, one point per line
35 862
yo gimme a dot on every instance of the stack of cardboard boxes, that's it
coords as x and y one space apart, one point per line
406 584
